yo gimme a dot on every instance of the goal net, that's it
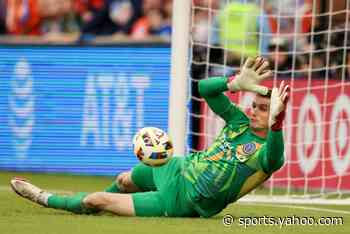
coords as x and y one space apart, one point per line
307 44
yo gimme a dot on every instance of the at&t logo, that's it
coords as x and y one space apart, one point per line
21 104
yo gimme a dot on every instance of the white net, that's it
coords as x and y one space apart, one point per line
307 44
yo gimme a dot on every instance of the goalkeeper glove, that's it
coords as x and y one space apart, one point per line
252 72
278 104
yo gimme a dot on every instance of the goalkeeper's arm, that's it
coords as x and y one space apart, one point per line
271 156
252 72
212 91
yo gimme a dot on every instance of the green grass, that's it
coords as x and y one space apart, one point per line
18 216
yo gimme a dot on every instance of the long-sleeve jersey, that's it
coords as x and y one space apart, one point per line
237 162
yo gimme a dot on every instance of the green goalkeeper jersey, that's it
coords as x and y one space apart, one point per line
237 162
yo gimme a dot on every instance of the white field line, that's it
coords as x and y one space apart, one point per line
298 207
293 200
8 188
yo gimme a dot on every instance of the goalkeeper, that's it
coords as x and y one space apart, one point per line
243 156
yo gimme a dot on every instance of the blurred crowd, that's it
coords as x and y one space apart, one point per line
301 38
135 18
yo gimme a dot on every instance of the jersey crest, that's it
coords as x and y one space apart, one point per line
244 151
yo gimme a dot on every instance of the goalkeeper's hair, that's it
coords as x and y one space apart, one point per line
268 95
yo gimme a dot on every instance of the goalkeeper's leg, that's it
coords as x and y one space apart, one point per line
72 203
139 179
146 204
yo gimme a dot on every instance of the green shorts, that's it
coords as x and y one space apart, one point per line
164 191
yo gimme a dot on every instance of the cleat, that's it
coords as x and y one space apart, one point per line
25 189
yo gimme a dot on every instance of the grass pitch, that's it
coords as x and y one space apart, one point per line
18 216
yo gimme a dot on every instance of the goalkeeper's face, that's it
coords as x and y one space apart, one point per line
259 117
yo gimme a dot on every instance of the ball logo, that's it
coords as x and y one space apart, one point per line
21 103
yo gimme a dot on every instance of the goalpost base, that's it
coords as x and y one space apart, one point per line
285 199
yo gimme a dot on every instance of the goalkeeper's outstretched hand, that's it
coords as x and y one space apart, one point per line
278 104
252 72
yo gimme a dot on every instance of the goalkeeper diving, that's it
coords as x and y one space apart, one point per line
246 153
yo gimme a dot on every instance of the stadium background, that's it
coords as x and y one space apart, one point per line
78 78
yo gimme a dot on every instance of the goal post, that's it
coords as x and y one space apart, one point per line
178 97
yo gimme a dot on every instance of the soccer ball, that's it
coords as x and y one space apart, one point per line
152 146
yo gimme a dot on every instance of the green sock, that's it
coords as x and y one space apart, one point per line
70 203
113 188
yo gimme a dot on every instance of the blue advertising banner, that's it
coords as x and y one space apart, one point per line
76 109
